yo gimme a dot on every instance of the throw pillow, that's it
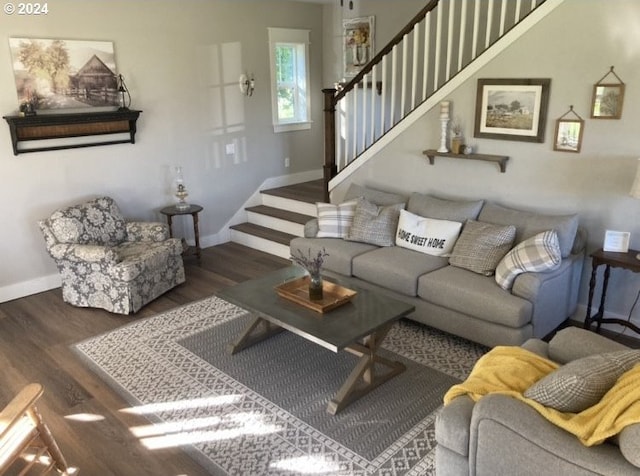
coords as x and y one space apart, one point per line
539 253
334 221
373 224
581 384
427 235
481 246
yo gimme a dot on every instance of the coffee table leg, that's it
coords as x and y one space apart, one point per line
249 337
362 379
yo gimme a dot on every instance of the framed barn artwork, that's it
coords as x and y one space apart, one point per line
64 74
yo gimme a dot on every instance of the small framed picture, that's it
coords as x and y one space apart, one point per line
607 101
616 241
568 135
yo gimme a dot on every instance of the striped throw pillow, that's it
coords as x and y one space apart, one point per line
538 253
334 221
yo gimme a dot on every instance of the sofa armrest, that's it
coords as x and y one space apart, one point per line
84 253
453 424
311 228
574 343
510 437
550 293
147 231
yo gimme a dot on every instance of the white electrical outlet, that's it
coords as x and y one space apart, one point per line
287 162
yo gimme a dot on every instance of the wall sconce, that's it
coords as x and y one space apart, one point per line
247 84
125 97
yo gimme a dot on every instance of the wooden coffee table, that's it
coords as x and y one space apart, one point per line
358 327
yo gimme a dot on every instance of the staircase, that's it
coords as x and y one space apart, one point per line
407 78
279 218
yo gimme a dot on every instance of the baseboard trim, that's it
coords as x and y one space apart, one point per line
27 288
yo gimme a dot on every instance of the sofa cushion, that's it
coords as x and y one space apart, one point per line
334 221
341 252
529 224
396 268
538 253
444 209
427 235
96 222
475 295
581 383
481 246
379 197
375 224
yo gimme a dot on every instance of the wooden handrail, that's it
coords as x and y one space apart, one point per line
386 50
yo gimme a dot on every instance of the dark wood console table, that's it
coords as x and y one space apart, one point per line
609 259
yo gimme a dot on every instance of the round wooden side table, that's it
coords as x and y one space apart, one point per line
192 210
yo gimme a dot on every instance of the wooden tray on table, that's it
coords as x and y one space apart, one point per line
333 295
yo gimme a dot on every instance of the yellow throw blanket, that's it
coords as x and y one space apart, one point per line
512 370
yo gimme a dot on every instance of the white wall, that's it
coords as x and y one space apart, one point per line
574 46
181 61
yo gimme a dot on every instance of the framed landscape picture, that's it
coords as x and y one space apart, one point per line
64 74
512 109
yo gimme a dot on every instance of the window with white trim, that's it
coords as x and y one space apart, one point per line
290 97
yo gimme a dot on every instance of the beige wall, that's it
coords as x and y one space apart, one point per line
181 61
574 46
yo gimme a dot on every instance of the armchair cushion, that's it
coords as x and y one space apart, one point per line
96 222
147 231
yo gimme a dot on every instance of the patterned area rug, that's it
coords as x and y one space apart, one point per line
263 410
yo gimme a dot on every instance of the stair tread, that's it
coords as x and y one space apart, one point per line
309 192
263 232
294 217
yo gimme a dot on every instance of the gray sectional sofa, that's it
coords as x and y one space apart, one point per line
452 298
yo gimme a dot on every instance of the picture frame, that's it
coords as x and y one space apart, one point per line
358 42
568 136
512 109
80 74
607 100
617 241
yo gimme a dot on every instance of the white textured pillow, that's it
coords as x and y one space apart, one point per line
427 235
539 253
334 221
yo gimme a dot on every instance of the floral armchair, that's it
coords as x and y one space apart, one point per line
109 263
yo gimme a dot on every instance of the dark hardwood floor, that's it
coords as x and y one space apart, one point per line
83 413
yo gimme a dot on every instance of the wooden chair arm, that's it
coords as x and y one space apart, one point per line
21 403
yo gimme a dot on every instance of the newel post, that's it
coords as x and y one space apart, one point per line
329 168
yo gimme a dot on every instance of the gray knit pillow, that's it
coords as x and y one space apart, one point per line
581 384
481 246
373 224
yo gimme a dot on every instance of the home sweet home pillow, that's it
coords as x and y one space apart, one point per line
427 235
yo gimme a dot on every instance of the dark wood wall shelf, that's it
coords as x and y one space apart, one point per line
66 126
501 160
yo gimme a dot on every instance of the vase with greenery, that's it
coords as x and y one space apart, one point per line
313 265
457 141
